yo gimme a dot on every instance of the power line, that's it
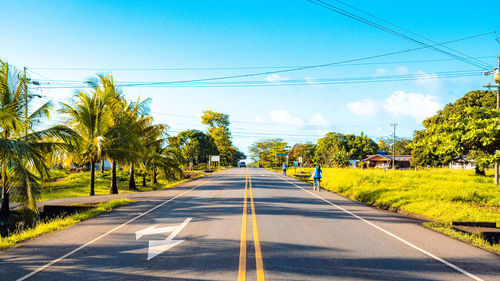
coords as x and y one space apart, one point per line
306 67
309 80
238 68
411 32
391 31
332 81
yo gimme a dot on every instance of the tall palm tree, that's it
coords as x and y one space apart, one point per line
24 152
89 117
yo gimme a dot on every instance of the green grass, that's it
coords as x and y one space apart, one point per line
59 223
474 239
441 195
77 184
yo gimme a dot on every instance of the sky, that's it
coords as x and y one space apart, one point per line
63 43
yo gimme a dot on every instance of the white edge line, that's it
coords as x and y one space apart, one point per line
472 276
107 233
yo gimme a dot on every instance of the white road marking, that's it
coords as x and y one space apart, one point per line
107 233
472 276
157 247
153 230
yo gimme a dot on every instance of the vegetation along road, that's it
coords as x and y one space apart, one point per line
247 223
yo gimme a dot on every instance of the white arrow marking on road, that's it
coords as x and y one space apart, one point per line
153 230
157 247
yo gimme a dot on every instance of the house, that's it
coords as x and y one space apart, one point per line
462 164
385 161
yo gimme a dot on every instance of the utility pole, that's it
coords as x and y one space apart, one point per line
25 95
394 146
497 79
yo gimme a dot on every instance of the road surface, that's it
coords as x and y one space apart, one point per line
247 223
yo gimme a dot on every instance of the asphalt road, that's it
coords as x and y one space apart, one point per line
247 223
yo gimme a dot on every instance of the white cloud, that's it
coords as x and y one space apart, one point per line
276 78
317 120
418 106
400 103
363 107
401 70
380 72
429 82
284 117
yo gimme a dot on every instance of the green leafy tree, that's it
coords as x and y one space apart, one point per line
335 149
428 147
358 147
196 146
265 151
403 146
305 150
218 129
473 133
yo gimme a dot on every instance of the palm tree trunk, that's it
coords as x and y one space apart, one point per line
4 210
131 179
113 186
92 177
154 176
102 166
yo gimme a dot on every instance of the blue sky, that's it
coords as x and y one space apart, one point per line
106 36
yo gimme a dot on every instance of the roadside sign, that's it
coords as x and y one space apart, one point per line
295 163
281 154
215 158
300 159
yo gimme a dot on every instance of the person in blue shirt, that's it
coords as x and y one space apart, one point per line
284 168
316 175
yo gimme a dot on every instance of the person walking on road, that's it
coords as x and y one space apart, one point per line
316 175
284 168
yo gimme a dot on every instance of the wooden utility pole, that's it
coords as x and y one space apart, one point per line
394 146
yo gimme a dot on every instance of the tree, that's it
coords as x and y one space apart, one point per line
358 147
196 146
265 151
428 143
403 146
218 129
24 152
335 149
305 150
473 133
119 138
89 117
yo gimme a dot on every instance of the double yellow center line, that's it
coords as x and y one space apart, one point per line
242 273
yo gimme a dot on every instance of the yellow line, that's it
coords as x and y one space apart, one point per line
258 254
242 271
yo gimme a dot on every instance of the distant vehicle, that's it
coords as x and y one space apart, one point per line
243 164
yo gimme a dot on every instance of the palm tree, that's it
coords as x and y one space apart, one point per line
141 128
89 117
24 153
155 156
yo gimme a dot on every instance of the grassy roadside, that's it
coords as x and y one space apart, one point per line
473 239
441 195
77 184
59 223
